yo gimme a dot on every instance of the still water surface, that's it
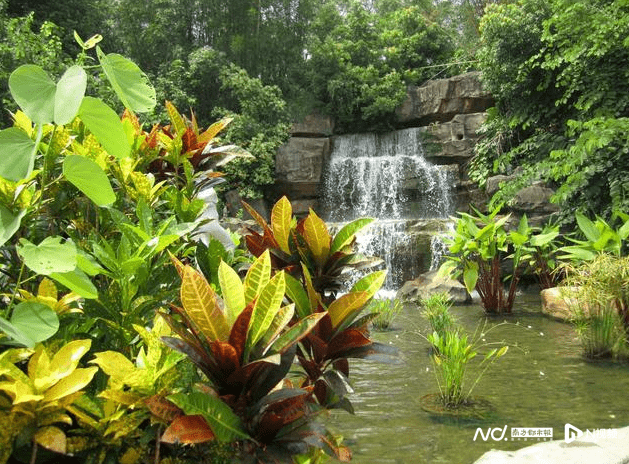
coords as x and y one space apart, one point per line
543 383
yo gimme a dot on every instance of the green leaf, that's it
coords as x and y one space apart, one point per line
266 307
587 227
9 223
233 291
106 126
296 333
36 321
225 424
89 178
77 281
129 82
346 305
34 91
17 151
50 256
257 276
69 95
347 233
470 275
295 291
200 304
371 283
317 237
281 217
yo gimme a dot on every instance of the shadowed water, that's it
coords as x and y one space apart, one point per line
545 383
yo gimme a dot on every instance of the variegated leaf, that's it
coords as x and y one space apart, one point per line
233 291
257 277
281 217
201 306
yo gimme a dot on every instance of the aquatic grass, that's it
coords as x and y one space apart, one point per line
437 311
453 351
386 311
601 305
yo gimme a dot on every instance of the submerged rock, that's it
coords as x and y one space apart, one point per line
430 283
558 302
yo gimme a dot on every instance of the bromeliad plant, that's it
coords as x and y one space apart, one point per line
479 248
244 344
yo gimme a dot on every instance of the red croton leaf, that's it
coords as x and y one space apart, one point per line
238 334
226 357
161 408
188 430
347 340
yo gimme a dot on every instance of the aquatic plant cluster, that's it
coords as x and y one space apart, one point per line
125 335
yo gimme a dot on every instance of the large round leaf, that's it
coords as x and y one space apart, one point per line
51 255
34 91
9 223
130 83
35 320
70 92
106 126
89 178
16 154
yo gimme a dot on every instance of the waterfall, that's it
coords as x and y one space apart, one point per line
387 177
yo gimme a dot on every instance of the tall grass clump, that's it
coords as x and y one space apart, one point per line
601 305
436 308
386 311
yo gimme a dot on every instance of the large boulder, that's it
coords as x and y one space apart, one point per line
430 283
453 141
440 100
611 448
313 125
560 302
298 167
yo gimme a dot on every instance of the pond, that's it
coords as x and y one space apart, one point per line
543 382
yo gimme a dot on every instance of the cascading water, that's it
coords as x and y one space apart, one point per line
386 176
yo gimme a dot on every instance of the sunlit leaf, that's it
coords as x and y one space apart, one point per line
232 289
346 305
347 233
70 91
201 306
266 307
213 130
51 438
77 281
51 255
129 82
89 178
317 237
73 383
296 332
225 424
34 91
16 154
371 283
470 275
106 126
176 120
34 320
257 276
281 217
188 430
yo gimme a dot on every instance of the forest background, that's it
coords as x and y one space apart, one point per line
558 69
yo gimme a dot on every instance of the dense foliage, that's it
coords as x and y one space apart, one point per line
559 72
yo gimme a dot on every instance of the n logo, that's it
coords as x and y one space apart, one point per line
571 433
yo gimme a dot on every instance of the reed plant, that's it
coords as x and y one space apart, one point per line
453 351
386 311
601 305
436 308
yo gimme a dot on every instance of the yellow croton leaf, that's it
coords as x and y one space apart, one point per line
70 384
64 362
317 237
51 438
